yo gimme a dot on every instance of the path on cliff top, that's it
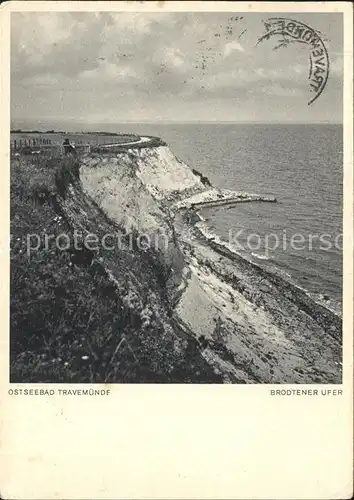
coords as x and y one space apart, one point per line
142 140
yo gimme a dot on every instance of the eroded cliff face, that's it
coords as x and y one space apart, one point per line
161 349
134 188
222 318
129 184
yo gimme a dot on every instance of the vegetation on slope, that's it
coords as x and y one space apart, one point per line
69 322
203 178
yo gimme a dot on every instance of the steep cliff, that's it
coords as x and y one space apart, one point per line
230 318
134 189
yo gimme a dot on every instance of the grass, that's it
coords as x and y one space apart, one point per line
50 314
26 137
69 323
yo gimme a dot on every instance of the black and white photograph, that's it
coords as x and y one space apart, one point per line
176 197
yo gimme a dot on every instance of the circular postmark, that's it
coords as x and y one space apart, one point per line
293 31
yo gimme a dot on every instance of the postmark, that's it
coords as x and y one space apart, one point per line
294 31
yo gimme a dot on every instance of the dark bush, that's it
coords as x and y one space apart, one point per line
202 177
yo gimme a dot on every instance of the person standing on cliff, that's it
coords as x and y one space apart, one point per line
69 148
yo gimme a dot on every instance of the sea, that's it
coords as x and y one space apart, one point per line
300 236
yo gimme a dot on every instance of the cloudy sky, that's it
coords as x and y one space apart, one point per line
117 67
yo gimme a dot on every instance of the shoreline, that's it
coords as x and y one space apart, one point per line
257 326
195 310
218 243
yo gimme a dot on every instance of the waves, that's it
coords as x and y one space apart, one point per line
259 256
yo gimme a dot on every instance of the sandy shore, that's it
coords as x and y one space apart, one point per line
254 326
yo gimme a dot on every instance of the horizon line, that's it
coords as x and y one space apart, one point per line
158 122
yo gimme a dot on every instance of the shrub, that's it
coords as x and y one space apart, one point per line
204 180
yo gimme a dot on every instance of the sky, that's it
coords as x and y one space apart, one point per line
87 68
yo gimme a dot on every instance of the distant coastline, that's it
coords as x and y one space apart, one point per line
20 131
